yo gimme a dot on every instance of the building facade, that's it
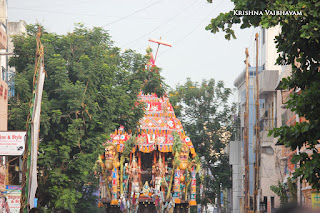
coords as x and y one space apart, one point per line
3 38
3 65
14 28
241 86
3 105
289 118
235 153
270 163
7 31
3 85
270 172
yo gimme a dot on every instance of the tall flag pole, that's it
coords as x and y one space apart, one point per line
30 156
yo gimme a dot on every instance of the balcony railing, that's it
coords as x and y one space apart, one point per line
267 123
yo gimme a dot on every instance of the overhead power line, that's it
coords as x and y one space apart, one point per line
50 11
68 13
194 29
130 14
178 25
166 22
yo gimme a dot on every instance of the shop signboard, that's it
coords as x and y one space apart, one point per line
315 199
13 194
12 143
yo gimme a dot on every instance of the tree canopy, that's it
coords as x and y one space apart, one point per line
90 90
207 117
298 44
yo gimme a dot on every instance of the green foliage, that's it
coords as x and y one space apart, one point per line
176 147
90 90
88 202
280 190
197 163
128 146
292 188
154 83
298 45
286 192
205 113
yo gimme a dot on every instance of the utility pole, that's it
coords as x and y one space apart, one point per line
246 141
257 145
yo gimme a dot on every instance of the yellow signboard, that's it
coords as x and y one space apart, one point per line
315 199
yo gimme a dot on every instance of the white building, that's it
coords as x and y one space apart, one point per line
270 164
14 28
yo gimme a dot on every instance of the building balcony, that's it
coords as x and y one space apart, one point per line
267 143
268 81
267 123
3 37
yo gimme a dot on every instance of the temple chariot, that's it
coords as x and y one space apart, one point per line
154 170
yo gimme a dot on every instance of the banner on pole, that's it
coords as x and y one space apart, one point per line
35 130
12 143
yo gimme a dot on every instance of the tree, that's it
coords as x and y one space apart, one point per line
207 116
286 192
90 90
281 191
298 45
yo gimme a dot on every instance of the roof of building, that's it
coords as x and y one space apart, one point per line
242 77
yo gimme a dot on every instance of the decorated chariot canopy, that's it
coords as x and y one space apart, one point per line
156 127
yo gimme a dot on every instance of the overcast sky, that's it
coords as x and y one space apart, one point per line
196 53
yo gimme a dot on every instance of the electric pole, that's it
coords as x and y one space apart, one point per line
246 141
257 144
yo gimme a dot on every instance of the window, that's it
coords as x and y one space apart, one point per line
272 203
268 150
265 202
263 35
283 119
